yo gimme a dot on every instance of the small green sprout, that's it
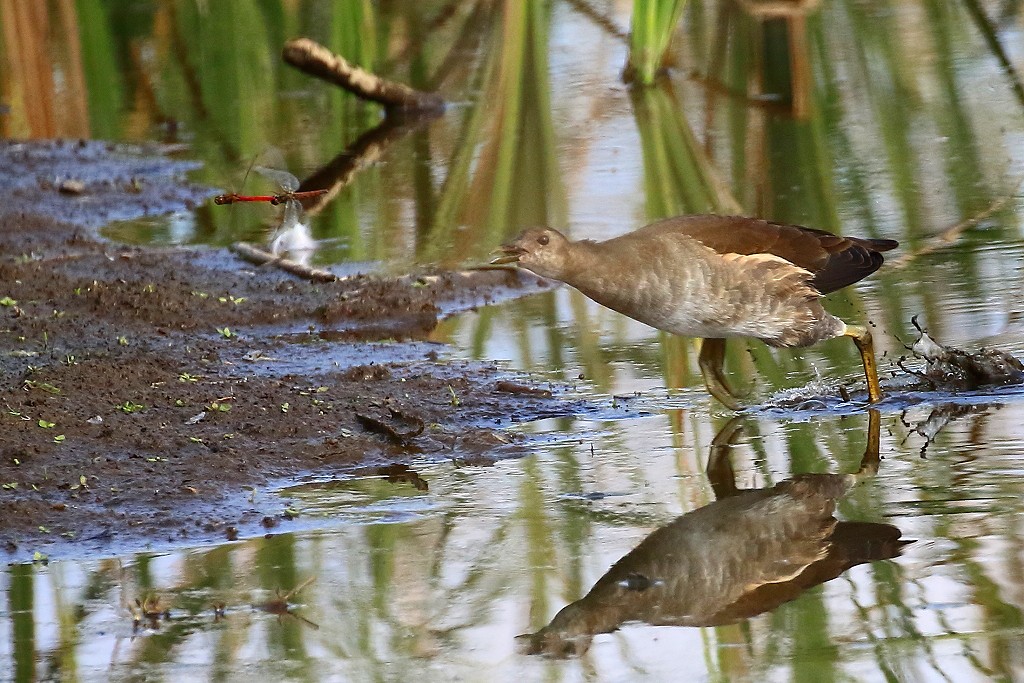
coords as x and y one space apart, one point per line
43 386
130 407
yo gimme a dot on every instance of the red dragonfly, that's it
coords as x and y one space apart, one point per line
288 183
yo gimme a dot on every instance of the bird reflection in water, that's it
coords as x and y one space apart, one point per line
747 553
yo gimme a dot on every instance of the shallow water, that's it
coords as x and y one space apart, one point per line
440 581
912 127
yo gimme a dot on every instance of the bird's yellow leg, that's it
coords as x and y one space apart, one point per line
862 338
711 359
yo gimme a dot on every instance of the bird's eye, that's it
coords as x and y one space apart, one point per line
543 240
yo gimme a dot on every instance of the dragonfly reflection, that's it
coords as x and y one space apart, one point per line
746 553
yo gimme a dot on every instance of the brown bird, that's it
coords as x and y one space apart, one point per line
715 277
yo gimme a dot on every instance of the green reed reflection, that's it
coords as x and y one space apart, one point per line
20 599
503 172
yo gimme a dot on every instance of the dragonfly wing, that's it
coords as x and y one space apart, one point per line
292 214
285 180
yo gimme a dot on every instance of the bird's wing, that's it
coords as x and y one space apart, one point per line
833 260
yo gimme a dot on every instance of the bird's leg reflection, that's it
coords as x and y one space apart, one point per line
723 477
870 462
746 553
719 470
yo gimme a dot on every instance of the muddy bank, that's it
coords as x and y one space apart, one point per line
146 391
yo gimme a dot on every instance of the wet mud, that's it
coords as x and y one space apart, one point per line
146 392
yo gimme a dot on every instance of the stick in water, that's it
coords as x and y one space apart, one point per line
314 59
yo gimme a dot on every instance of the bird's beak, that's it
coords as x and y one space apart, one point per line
507 253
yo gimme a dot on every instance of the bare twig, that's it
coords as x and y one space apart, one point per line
316 60
260 257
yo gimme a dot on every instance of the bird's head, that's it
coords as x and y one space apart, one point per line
541 250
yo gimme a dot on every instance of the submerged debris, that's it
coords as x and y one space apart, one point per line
148 613
281 606
388 418
398 473
952 369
